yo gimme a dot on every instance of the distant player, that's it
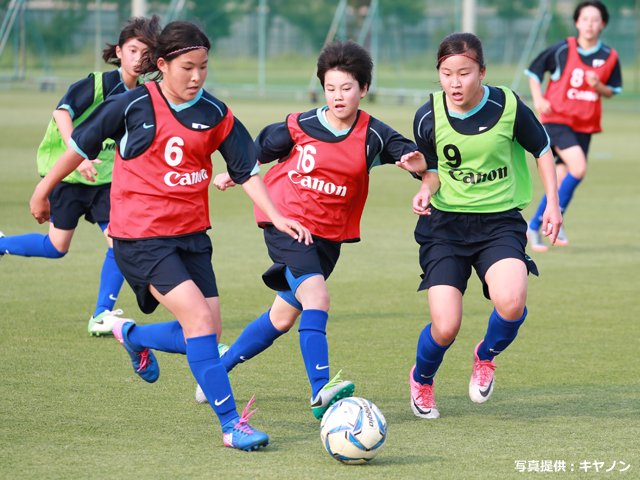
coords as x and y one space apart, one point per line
86 190
474 138
165 134
583 70
321 179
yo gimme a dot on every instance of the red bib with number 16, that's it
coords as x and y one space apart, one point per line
323 185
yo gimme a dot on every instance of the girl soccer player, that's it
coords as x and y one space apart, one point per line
474 138
165 134
86 190
322 178
583 70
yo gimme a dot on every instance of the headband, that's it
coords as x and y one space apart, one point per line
185 49
444 57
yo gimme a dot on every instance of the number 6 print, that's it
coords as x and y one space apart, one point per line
172 152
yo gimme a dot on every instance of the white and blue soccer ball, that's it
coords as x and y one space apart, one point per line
353 430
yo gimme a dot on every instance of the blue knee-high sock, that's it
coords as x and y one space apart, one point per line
565 192
255 338
536 220
314 347
500 334
203 358
110 283
30 245
429 357
164 337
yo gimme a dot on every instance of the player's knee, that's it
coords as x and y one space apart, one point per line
51 251
444 334
510 307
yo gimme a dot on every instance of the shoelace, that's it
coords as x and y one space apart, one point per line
483 371
117 311
144 359
243 424
425 395
334 381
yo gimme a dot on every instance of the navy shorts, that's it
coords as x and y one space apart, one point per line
451 243
319 257
563 137
70 201
165 263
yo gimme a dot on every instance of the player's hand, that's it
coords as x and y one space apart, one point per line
421 201
542 106
106 235
39 205
87 169
413 162
551 223
222 181
591 78
293 229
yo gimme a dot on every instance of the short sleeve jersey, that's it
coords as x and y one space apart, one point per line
163 163
573 101
322 176
479 155
80 100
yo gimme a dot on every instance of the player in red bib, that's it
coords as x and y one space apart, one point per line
322 179
583 70
165 134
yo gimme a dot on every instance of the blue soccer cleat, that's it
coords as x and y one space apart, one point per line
239 434
144 361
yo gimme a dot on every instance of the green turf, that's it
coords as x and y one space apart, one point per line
567 390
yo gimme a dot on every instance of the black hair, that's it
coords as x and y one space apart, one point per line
141 28
348 57
458 44
175 39
604 13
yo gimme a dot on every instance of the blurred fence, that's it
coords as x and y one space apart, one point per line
279 60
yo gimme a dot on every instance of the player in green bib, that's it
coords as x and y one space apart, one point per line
474 138
86 191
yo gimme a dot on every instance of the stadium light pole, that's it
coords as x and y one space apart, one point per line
469 16
138 8
262 46
97 13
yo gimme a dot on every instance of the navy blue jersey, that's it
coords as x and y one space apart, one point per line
528 131
80 95
554 59
384 144
129 119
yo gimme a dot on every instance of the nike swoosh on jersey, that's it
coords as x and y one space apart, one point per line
324 367
217 402
480 129
145 126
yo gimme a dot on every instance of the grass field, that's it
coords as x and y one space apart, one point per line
567 390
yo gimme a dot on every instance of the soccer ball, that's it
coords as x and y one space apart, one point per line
353 430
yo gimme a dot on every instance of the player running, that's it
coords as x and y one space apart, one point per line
165 134
474 138
86 190
324 159
583 70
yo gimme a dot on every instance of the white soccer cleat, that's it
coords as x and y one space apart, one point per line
482 378
200 396
562 240
103 324
423 403
534 238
